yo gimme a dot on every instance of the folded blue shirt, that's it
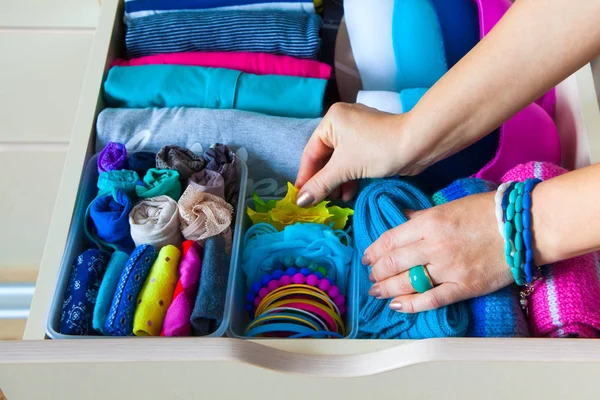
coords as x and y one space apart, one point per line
215 88
293 34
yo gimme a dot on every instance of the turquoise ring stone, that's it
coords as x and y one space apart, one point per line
420 279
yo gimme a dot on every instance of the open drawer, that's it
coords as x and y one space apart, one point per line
189 368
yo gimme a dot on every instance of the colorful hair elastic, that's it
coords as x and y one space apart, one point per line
273 328
333 320
265 318
283 291
293 310
264 248
311 280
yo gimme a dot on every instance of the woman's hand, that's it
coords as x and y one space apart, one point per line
353 142
457 242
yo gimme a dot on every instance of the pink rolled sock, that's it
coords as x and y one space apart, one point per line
566 301
177 319
251 63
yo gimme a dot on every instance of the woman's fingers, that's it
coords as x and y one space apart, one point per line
316 154
403 235
440 296
398 261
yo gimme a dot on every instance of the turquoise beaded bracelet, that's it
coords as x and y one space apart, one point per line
518 247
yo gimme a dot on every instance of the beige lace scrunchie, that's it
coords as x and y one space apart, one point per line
203 215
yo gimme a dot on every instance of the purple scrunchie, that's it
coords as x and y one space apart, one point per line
113 157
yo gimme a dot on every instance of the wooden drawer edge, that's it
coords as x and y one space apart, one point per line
398 354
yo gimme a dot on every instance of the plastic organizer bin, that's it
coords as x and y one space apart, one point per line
239 317
77 243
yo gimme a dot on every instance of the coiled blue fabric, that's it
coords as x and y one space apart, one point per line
265 248
107 222
498 314
378 209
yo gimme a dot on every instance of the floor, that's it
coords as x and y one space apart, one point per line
45 46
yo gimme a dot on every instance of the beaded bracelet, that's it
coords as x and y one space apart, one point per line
499 211
513 228
525 226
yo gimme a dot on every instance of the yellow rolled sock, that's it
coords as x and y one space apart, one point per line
157 293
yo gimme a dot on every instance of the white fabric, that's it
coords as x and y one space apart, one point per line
369 27
381 100
307 7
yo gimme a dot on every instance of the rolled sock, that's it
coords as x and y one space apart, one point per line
160 182
119 321
108 222
203 215
177 319
180 159
564 302
157 293
222 160
251 63
209 306
124 180
112 157
79 300
108 288
378 209
498 314
163 85
142 161
272 160
287 33
208 181
155 221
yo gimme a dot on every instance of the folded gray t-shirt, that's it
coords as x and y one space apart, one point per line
270 146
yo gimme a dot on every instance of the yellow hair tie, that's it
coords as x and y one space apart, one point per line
294 289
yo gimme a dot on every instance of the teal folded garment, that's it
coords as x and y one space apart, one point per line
214 88
160 182
108 288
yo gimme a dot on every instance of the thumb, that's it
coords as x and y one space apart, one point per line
325 181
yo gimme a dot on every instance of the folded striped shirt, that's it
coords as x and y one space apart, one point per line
286 33
142 8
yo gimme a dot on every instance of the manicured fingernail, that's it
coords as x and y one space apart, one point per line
396 305
371 278
375 291
365 260
305 199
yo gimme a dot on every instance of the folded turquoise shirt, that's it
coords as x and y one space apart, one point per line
189 86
